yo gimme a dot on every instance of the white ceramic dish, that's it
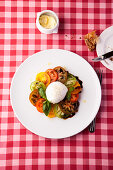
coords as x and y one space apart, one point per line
45 30
105 45
38 123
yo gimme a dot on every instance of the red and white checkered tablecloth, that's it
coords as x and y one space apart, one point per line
19 38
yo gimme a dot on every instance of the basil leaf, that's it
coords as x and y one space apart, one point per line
42 93
46 107
68 96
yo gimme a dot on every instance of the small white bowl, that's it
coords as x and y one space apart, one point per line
45 30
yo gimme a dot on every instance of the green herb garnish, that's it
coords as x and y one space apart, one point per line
42 92
46 107
68 96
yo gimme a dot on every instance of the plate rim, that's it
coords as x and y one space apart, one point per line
11 87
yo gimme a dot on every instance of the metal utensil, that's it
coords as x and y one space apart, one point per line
104 56
93 123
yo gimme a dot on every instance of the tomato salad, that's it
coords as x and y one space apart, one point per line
65 108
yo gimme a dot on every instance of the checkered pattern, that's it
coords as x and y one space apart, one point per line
19 38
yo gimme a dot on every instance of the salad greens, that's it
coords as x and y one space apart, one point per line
65 108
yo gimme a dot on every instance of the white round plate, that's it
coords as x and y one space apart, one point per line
105 45
37 122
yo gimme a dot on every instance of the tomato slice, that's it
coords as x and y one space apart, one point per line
53 74
62 74
74 97
39 104
36 85
52 112
76 90
77 84
68 107
34 96
43 77
77 87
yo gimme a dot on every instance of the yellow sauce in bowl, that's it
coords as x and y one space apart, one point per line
47 21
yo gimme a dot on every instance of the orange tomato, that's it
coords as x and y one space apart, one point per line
76 90
34 96
51 113
77 84
39 104
43 77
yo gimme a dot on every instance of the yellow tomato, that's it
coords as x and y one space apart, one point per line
43 77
